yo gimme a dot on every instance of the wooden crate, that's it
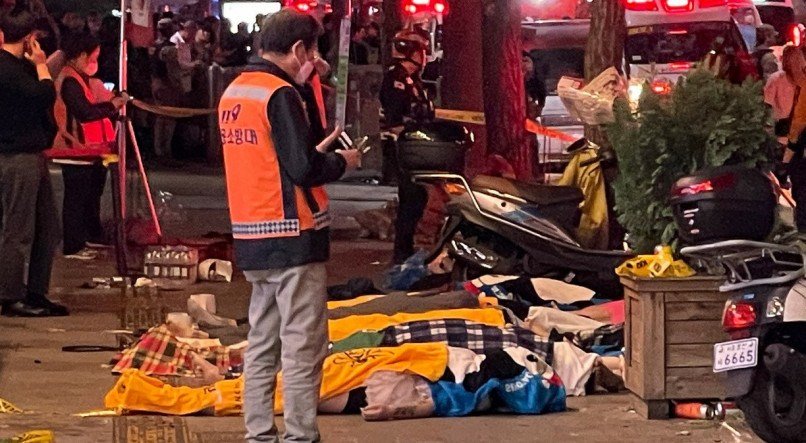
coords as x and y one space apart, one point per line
670 331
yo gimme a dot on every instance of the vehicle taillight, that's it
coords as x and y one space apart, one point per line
678 5
640 5
680 66
715 184
661 87
738 316
712 3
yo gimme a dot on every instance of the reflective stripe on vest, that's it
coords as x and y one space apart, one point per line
89 133
254 180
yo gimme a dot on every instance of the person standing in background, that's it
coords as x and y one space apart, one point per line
280 225
779 93
85 121
535 87
29 232
793 163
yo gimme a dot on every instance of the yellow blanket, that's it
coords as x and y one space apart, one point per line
344 327
342 372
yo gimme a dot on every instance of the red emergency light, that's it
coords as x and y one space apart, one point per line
303 5
640 5
412 7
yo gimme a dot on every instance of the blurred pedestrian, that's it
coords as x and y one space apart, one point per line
29 233
780 91
359 50
85 122
535 87
94 23
171 82
793 163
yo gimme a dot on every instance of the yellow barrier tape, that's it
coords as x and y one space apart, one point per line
8 408
170 111
471 117
660 265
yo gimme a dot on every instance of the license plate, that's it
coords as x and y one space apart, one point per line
736 354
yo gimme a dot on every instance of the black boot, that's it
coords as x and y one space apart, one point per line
23 309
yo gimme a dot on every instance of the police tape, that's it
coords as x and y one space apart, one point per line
473 117
538 129
171 111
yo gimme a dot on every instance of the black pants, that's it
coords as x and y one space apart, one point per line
797 173
30 227
413 198
81 214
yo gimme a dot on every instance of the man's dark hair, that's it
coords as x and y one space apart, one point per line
283 29
76 44
17 24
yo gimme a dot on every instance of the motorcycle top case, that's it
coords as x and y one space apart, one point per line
726 203
438 146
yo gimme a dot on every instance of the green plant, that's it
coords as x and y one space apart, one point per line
705 122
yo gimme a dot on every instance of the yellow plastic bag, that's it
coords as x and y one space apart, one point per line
660 265
33 437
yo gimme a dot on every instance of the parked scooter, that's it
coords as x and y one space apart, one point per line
503 226
765 314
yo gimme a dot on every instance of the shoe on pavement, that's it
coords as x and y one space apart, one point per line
84 254
22 309
55 309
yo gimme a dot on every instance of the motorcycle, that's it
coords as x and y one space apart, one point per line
765 314
503 226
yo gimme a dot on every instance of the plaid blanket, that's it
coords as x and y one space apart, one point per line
469 335
158 352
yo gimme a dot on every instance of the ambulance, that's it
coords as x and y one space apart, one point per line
666 38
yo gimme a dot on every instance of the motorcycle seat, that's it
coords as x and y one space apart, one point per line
534 193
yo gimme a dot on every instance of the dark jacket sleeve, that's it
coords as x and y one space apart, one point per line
41 92
293 141
82 109
395 100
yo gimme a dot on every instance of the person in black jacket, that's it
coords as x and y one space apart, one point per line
29 233
403 100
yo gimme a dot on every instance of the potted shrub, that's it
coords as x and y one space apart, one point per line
672 324
704 122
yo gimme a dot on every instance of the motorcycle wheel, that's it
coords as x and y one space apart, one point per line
775 408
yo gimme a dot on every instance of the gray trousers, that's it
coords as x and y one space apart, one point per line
29 232
288 320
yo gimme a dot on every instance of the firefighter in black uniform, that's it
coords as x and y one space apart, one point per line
403 100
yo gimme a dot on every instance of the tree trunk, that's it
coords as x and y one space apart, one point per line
503 85
461 72
605 49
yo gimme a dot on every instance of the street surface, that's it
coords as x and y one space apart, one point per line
51 385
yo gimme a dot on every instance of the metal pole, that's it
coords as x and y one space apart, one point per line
122 86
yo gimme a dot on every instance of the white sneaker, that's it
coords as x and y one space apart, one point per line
84 254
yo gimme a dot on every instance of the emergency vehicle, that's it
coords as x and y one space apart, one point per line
666 38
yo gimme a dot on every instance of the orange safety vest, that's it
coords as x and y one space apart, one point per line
254 179
90 133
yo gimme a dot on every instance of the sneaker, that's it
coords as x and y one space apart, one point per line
84 254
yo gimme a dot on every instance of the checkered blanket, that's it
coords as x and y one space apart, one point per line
158 352
469 335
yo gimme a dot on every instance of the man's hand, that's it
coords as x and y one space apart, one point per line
37 55
352 157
